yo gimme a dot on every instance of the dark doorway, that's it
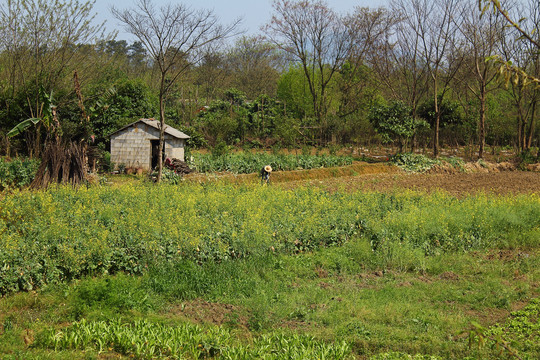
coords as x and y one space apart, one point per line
155 151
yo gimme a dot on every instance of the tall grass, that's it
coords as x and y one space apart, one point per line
62 234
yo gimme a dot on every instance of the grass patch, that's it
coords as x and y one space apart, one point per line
336 298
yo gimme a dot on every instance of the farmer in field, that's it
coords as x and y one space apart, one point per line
265 174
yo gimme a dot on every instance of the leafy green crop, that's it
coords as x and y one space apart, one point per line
520 333
246 163
146 340
403 356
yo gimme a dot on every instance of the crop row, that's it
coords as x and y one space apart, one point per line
62 233
246 163
146 340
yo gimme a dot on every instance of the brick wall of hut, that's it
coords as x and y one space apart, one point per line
132 146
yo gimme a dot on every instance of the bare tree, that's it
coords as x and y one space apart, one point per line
481 39
370 31
401 68
174 37
435 23
529 35
533 52
519 64
311 33
254 64
212 75
496 6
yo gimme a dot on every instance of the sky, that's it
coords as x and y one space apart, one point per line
253 12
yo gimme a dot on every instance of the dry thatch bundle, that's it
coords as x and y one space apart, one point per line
62 163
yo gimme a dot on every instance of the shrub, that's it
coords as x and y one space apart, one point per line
17 173
394 122
527 157
169 176
414 162
107 165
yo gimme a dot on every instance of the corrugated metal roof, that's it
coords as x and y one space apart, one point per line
155 123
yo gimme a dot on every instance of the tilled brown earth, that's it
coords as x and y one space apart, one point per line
385 177
506 182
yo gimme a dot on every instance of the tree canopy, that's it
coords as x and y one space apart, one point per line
315 76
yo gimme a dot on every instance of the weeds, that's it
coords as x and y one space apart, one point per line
456 162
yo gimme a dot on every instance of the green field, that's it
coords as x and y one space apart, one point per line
251 162
248 272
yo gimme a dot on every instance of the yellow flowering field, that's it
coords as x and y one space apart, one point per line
62 233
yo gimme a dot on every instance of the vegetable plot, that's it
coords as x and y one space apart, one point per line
246 163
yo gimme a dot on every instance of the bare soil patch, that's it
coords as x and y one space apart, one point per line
488 317
501 178
204 312
502 182
449 275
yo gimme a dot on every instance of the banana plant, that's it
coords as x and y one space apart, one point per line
46 115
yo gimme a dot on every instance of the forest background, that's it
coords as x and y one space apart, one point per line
415 73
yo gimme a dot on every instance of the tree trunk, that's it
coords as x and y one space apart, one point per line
523 132
161 130
37 143
482 125
532 124
519 132
437 122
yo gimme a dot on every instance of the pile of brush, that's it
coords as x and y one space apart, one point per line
178 166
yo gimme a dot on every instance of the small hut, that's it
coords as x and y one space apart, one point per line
137 144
